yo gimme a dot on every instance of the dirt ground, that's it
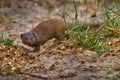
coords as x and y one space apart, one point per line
52 62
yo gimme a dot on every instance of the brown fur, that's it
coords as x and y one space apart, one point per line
53 28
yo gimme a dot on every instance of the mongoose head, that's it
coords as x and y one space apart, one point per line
29 39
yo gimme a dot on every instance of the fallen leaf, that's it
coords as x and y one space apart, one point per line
88 52
61 46
2 47
22 62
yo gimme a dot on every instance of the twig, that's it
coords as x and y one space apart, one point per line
33 75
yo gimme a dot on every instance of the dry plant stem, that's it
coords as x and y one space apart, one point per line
33 75
101 26
64 13
111 29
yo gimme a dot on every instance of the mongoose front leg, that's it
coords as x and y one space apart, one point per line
37 48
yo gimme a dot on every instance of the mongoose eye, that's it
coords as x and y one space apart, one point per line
27 39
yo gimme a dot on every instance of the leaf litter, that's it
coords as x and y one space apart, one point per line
52 62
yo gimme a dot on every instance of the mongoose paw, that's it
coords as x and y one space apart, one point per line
28 52
36 49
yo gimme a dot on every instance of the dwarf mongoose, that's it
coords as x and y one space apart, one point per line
52 28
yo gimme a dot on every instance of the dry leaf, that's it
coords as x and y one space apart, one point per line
91 10
61 46
2 47
13 68
22 62
88 52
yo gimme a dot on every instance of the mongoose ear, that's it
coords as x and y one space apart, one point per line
21 35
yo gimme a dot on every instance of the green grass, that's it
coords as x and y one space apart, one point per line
9 18
111 78
13 73
98 41
109 71
6 42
